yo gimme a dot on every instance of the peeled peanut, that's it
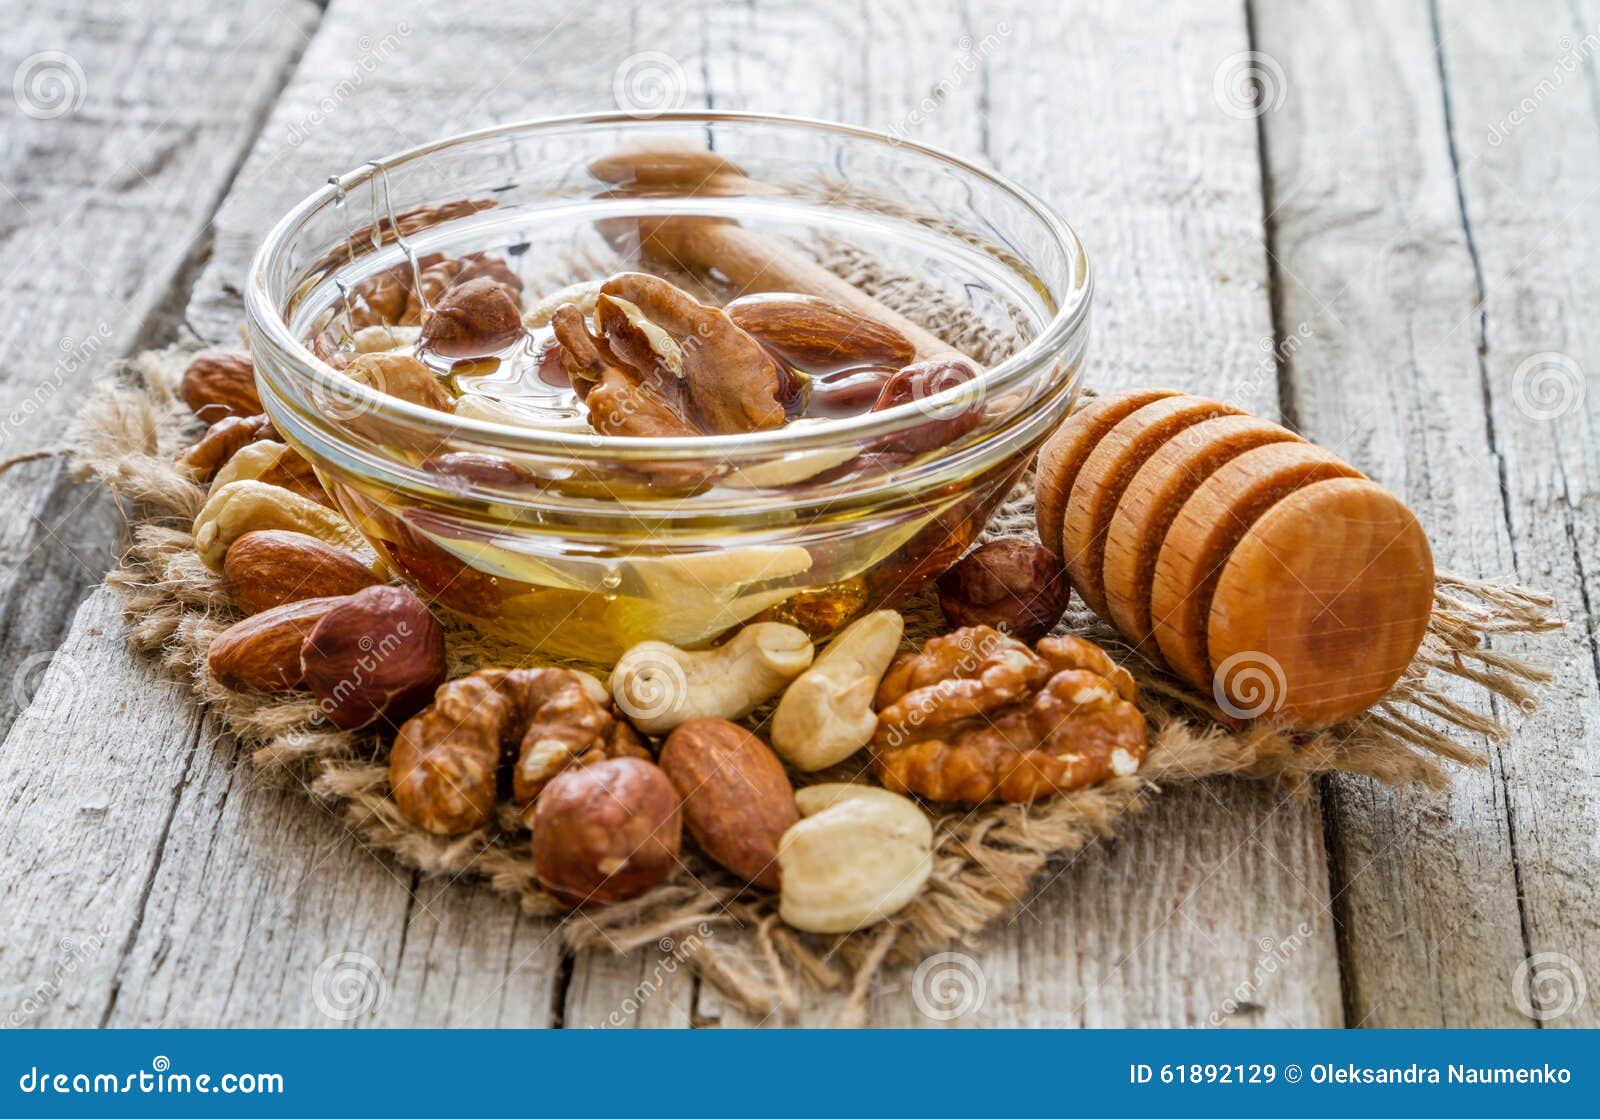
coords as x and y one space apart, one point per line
859 855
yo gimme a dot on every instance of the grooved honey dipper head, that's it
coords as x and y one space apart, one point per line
1324 602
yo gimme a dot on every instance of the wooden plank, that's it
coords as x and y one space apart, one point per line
1375 278
1213 908
1527 148
472 959
125 128
1163 926
86 819
439 953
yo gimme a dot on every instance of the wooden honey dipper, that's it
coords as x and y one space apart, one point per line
1264 571
747 260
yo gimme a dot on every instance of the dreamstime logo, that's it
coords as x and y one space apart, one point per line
74 953
648 84
373 55
349 985
1547 386
1275 954
48 85
948 391
674 954
375 652
648 684
968 61
1249 84
948 986
75 354
344 400
1548 985
1572 63
972 654
31 673
1249 685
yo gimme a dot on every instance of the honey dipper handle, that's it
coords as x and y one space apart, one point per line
750 261
753 262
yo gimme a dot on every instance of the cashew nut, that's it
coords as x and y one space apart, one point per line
584 295
659 685
401 375
858 856
383 337
243 506
826 715
250 462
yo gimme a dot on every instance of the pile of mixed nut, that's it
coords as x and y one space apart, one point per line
607 776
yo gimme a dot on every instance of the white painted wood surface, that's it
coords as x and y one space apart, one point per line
148 876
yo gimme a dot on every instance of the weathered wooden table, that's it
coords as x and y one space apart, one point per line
1378 221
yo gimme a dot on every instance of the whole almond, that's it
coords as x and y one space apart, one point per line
737 800
818 336
460 470
262 653
270 567
220 383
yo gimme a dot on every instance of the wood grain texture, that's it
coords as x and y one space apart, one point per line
1175 919
123 127
87 819
108 176
1528 186
1161 926
150 876
371 81
1379 338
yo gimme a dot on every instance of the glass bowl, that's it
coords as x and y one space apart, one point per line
586 544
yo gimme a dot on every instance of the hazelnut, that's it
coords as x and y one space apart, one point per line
606 832
220 383
948 419
737 800
377 654
472 319
1014 585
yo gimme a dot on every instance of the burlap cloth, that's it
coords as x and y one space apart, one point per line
986 860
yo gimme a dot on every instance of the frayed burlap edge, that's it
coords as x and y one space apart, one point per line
986 860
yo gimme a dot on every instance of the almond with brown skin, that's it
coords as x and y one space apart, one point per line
737 800
461 470
220 383
262 653
272 567
817 336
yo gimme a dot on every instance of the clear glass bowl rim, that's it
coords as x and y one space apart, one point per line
267 324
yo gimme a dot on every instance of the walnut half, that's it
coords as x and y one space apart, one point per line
658 362
446 763
978 716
